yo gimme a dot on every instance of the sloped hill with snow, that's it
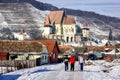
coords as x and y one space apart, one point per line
16 16
3 23
99 28
21 13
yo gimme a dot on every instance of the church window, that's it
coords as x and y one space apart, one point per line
71 39
67 39
72 30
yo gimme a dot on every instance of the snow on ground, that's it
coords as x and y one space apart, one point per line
99 70
98 31
5 69
16 35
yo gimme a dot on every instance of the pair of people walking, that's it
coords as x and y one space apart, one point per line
71 61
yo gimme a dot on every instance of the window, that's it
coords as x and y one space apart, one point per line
42 57
45 57
71 39
67 39
53 55
72 30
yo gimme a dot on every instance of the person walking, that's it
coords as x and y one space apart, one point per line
66 59
72 63
81 61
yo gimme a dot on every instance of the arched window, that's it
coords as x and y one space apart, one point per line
67 39
72 30
71 39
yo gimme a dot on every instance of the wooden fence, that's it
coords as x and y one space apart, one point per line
12 65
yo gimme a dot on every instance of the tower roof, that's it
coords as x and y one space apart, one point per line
85 24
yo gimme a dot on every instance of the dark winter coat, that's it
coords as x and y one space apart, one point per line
66 60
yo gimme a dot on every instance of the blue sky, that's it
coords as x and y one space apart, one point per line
104 7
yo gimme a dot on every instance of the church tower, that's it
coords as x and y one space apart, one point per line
85 31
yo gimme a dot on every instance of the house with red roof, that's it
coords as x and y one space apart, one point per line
52 48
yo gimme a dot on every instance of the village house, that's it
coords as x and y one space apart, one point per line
24 50
21 35
53 50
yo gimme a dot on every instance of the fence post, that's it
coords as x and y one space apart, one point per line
14 65
7 67
1 68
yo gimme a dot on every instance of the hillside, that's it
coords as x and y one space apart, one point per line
39 5
16 16
99 24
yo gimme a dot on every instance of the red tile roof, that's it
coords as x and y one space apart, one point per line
58 17
47 22
69 20
54 17
50 44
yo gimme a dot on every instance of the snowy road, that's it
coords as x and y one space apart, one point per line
56 72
